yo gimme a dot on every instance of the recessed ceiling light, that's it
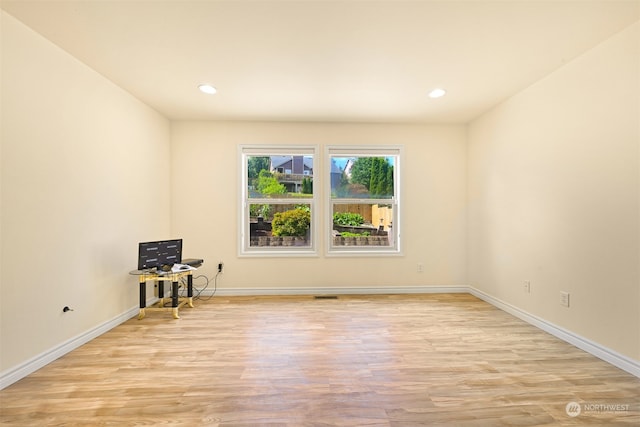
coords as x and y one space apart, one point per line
205 88
437 93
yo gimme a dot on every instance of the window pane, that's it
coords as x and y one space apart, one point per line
363 204
279 225
363 225
277 204
362 177
281 176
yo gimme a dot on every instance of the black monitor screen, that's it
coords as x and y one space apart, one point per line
159 254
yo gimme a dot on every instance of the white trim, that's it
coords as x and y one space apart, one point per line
610 356
386 290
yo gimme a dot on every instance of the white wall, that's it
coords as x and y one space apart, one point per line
205 190
85 177
553 182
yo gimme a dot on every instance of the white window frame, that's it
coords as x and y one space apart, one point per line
363 151
244 248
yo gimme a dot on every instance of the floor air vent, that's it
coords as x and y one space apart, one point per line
325 297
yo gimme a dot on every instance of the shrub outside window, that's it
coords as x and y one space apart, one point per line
363 203
278 201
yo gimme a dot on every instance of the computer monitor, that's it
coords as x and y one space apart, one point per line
163 253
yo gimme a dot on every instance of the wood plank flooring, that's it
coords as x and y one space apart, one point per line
392 360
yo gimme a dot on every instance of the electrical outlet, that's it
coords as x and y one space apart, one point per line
564 298
527 287
420 268
220 267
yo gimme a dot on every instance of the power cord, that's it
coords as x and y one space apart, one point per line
197 292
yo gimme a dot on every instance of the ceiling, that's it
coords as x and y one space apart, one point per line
357 61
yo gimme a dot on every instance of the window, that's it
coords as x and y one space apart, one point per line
278 203
363 202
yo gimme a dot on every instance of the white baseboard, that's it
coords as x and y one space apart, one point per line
629 365
612 357
338 291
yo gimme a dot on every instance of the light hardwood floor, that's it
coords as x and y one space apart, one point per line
393 360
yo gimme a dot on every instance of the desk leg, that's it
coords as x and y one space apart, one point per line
143 297
160 292
174 299
190 290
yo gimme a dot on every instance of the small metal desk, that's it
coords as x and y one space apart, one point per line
160 277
